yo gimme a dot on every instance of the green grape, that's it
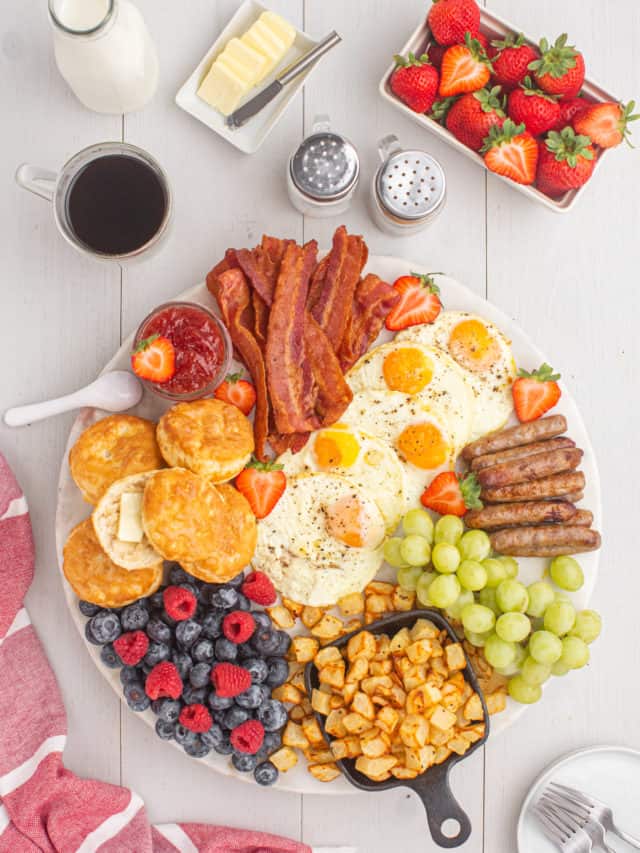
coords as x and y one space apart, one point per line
512 595
541 595
477 618
487 596
472 575
498 652
496 572
560 617
444 590
534 672
513 627
587 626
545 647
523 692
445 558
422 588
566 573
415 550
477 640
511 565
448 529
408 577
474 545
559 669
575 653
515 665
392 554
465 597
418 522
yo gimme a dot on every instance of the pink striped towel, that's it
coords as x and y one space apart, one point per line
43 806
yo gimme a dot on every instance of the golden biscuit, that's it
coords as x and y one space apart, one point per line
182 515
106 519
113 448
95 578
235 543
209 437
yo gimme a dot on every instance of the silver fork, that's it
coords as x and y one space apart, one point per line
577 816
597 811
567 838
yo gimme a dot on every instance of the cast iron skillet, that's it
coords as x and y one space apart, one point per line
432 786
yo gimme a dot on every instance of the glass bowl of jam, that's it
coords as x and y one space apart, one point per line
203 349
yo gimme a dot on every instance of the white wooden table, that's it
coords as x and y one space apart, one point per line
571 282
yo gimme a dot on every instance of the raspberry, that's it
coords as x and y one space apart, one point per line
230 680
179 603
248 737
257 587
238 626
196 718
163 680
131 647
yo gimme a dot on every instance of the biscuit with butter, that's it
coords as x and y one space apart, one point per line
209 437
94 577
183 515
113 448
235 543
117 521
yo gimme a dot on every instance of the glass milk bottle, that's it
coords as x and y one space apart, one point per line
105 53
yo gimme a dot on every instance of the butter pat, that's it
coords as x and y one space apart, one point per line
130 521
271 36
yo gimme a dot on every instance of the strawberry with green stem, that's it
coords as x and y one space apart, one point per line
607 124
238 392
511 57
473 115
415 81
154 359
262 484
566 162
419 302
512 152
535 393
451 494
537 110
465 68
560 69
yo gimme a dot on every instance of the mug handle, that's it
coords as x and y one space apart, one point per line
39 181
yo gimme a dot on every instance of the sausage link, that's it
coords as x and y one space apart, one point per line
516 436
536 490
530 468
495 516
490 459
546 541
582 518
574 497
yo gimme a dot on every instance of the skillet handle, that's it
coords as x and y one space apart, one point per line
440 804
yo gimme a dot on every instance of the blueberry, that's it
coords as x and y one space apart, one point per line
156 601
109 657
214 737
197 749
177 575
182 661
224 598
128 674
265 773
184 735
265 641
236 582
136 698
219 703
156 653
258 668
135 617
235 717
284 642
246 651
272 714
167 709
104 627
212 624
243 603
157 630
168 620
190 587
202 650
271 742
278 672
165 730
193 695
253 697
187 632
262 619
243 762
224 747
226 650
200 674
87 608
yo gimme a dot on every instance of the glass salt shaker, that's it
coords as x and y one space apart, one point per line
408 190
323 172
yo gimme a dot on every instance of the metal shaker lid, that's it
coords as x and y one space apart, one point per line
325 166
411 184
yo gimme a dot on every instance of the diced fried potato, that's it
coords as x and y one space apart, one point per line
496 702
294 736
298 681
415 676
288 693
304 648
351 604
320 702
333 674
375 767
414 731
458 744
319 755
328 628
352 625
284 759
353 746
380 667
280 616
312 731
438 738
452 701
370 618
297 714
292 606
380 684
306 706
402 665
378 604
400 641
328 655
387 719
442 753
363 705
337 701
403 599
420 759
421 698
473 709
349 691
454 654
474 734
383 644
339 749
423 629
442 719
311 616
362 645
379 588
334 724
358 670
420 651
403 773
374 747
397 696
439 666
355 724
324 772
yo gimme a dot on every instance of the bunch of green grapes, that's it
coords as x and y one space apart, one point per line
527 633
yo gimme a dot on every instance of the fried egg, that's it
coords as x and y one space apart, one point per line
426 374
366 461
323 539
484 353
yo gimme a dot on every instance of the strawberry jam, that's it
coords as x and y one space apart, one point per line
201 344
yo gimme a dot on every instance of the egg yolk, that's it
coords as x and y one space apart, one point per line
347 522
473 346
423 446
333 448
407 369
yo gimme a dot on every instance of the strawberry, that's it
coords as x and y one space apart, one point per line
566 162
435 52
512 152
238 392
154 359
471 118
450 494
450 20
440 109
570 109
510 58
262 484
535 393
560 68
532 107
419 302
606 124
415 82
465 68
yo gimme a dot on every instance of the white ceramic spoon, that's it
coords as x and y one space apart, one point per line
114 392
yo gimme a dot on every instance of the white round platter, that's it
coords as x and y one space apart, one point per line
71 509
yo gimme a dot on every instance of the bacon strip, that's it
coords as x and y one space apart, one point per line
333 395
372 302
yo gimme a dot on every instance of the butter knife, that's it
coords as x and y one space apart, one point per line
258 102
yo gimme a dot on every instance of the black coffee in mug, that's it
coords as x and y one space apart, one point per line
116 204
